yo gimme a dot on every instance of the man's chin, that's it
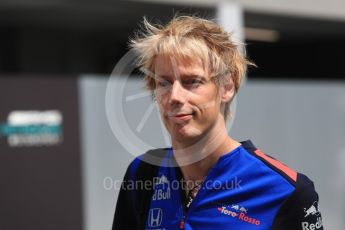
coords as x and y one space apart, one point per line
186 134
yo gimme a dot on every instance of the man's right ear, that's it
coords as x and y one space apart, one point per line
228 89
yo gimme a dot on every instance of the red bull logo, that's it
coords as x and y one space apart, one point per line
312 226
312 210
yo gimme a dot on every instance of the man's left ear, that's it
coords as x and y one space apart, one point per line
228 89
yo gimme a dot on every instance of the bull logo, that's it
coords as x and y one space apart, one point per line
312 210
239 208
235 206
243 209
162 180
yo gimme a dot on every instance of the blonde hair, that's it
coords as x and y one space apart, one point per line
189 37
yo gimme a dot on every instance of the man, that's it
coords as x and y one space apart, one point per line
193 70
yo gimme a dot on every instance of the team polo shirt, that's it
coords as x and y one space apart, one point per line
245 190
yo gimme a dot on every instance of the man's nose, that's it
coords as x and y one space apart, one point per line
177 94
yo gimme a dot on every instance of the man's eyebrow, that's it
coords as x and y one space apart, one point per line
183 76
198 76
162 77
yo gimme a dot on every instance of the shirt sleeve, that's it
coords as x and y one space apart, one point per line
301 210
125 214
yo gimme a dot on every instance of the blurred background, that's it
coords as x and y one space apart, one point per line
62 157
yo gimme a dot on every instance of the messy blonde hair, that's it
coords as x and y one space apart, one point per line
190 37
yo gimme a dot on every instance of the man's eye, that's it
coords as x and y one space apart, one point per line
193 83
163 83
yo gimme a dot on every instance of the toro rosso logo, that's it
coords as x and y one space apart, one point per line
238 212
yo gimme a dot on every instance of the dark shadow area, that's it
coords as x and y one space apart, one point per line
70 38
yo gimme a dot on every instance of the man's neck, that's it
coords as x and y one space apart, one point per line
195 161
198 171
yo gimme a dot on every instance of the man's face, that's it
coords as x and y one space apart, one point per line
187 98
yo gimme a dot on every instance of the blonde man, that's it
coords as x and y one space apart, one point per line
194 69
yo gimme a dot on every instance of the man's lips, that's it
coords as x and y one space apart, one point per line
182 117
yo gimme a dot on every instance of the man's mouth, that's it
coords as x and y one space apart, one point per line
181 117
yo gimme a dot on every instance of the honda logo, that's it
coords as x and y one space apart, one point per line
155 217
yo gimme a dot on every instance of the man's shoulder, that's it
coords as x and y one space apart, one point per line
297 179
154 156
147 163
299 209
